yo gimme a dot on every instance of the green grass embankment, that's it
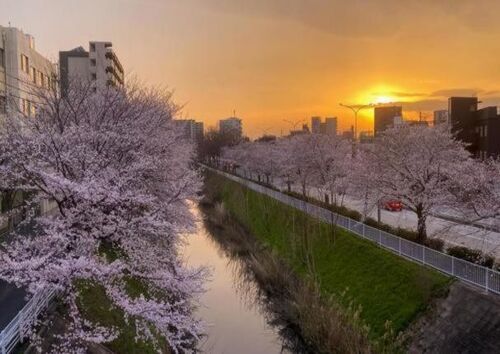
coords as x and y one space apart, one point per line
387 287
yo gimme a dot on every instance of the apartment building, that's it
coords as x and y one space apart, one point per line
328 127
386 117
99 67
23 72
478 128
192 129
232 126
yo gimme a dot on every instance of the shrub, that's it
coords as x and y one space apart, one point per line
401 232
471 255
435 244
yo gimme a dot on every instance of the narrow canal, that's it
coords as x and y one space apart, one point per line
236 317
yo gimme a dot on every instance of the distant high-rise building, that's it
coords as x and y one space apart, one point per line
463 120
479 129
99 67
384 117
22 71
330 126
488 133
441 117
197 131
231 125
192 129
315 125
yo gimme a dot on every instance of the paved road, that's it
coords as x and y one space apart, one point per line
451 232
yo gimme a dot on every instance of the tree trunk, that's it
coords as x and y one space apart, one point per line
421 224
304 190
289 186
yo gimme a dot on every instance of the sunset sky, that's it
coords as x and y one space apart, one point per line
272 60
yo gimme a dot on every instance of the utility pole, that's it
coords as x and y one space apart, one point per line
294 124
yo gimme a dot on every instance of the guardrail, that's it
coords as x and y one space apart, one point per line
16 331
475 274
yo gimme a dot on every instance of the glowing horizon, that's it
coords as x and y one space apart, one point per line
272 60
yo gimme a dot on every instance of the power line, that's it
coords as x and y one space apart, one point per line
20 89
32 84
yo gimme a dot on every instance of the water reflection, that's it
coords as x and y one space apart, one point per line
239 317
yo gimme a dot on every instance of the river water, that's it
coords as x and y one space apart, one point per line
236 320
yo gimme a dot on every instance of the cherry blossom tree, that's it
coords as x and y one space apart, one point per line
419 166
363 174
479 192
122 177
331 161
297 160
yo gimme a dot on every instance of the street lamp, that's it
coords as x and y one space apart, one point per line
355 108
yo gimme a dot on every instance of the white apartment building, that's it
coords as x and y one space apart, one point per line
23 72
192 129
99 66
231 125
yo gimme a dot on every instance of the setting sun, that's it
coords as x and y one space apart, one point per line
383 99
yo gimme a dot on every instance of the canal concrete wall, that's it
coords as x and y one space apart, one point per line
466 321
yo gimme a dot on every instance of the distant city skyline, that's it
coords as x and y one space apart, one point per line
276 60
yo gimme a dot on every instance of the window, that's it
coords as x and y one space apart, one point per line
28 107
485 131
25 64
32 109
33 74
2 59
92 62
24 106
3 104
92 47
94 76
43 81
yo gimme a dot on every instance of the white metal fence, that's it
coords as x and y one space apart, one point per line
18 328
483 277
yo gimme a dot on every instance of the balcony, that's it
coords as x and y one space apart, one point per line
112 56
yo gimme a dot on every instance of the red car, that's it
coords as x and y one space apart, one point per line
392 205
